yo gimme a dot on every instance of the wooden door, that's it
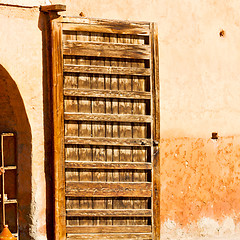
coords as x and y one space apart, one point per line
106 129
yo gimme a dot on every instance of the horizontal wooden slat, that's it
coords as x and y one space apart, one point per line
114 50
76 19
108 27
109 165
98 21
53 8
96 117
7 134
109 213
109 229
137 142
107 70
108 189
112 236
107 94
10 168
10 201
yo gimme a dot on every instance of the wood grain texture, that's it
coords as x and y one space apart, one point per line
58 131
109 229
71 129
139 130
112 236
110 111
108 93
137 142
156 134
53 8
108 133
109 213
107 117
107 70
100 21
116 27
84 106
108 165
106 50
108 189
125 129
98 129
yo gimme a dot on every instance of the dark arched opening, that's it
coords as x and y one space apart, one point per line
13 118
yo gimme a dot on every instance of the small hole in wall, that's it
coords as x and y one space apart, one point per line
81 14
215 135
222 33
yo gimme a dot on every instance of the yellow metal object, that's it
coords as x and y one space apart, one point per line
6 234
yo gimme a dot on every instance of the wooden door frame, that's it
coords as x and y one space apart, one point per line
53 37
156 133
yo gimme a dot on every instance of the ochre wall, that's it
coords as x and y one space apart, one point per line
21 103
199 73
199 79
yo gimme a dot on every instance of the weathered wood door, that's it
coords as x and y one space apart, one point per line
106 129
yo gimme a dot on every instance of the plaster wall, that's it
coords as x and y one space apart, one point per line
21 78
199 94
29 3
199 80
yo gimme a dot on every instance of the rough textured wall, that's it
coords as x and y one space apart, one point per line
200 188
199 78
199 71
21 104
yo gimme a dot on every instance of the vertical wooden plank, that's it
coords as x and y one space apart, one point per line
139 131
85 152
109 151
115 129
98 128
58 130
71 128
125 129
156 133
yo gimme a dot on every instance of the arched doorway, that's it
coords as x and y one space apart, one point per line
13 118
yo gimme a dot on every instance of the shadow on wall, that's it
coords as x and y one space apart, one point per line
44 27
13 118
